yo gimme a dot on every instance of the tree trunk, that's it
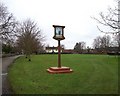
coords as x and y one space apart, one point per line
29 57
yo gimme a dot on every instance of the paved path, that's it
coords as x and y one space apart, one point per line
5 83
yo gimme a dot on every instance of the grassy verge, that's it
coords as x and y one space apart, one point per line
93 74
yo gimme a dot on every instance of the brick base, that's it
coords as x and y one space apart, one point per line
58 70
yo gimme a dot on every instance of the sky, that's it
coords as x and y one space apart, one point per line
75 15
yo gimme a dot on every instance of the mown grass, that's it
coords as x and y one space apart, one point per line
93 74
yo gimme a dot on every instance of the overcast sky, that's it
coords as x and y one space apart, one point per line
75 15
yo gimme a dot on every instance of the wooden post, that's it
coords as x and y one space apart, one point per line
60 36
59 54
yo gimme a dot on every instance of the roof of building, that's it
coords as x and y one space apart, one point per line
52 48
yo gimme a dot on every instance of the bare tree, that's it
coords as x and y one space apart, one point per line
7 23
111 20
29 38
97 42
102 43
105 41
117 39
79 47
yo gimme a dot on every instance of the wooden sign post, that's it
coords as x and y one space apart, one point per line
59 35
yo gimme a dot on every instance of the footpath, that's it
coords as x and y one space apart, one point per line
6 89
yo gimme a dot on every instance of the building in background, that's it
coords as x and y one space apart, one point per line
52 49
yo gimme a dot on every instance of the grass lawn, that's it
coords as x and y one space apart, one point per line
93 74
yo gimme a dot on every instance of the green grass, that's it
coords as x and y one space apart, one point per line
93 74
